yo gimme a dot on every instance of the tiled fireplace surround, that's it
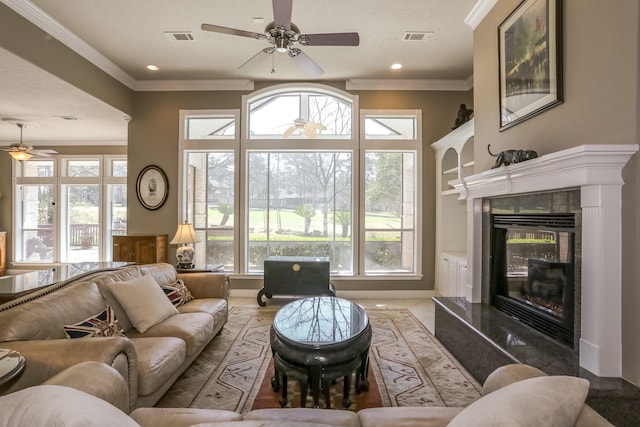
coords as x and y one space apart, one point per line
470 322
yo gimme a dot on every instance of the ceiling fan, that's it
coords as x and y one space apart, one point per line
19 151
306 127
284 36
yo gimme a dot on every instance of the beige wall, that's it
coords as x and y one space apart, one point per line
601 63
153 139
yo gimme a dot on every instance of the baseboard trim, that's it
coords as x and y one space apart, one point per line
365 294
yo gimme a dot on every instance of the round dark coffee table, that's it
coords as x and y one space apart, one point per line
318 340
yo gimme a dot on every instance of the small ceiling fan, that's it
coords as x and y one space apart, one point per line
305 127
19 151
284 35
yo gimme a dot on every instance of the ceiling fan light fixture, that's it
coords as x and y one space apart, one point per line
281 44
20 155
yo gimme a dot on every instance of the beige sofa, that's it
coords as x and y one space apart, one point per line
149 361
515 395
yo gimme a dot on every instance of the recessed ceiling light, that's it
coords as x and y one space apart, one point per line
152 68
396 66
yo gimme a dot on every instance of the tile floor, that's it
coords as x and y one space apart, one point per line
422 309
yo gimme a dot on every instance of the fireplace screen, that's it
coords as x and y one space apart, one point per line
532 274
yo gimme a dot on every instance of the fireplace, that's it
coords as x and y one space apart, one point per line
532 265
595 172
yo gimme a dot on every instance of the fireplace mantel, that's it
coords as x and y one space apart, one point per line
597 171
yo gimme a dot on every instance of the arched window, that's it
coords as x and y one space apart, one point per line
301 171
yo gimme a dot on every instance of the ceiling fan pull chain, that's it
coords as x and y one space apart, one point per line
273 64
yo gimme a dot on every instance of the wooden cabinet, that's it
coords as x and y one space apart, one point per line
3 252
452 280
141 249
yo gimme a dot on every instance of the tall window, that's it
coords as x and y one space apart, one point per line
67 208
302 180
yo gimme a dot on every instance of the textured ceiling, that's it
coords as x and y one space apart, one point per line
130 35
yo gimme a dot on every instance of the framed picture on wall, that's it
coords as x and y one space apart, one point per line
530 69
152 187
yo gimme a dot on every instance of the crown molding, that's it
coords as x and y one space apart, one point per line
479 12
408 84
38 17
192 85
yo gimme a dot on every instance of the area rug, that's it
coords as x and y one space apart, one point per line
409 367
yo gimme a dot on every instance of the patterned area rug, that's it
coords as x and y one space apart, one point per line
410 366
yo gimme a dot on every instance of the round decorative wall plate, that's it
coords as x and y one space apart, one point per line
152 187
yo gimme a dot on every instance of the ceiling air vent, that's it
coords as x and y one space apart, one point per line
179 35
416 36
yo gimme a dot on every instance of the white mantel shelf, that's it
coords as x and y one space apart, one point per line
574 167
597 171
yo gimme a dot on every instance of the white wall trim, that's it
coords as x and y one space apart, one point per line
38 17
409 84
193 85
479 12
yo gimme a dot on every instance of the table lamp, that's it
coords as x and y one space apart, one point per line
184 254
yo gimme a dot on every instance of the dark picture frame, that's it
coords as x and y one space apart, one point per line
530 56
152 187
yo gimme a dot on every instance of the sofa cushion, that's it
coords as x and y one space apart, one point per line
54 405
195 329
334 417
103 324
143 301
177 292
408 416
553 401
171 417
158 359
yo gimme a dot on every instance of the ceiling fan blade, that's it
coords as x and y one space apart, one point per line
44 153
330 39
287 133
282 13
258 57
307 64
232 31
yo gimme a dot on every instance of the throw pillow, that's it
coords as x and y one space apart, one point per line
103 324
554 401
177 292
143 301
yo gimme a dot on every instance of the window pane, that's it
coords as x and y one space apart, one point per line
322 116
83 168
37 168
37 222
210 204
389 127
222 127
273 115
390 193
299 205
119 168
83 235
118 196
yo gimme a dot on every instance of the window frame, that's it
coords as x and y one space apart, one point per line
59 181
357 143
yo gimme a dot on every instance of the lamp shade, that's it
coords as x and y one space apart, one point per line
185 234
20 155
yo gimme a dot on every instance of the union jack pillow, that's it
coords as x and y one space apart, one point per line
103 324
177 292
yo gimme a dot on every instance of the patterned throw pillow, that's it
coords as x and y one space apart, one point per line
177 292
103 324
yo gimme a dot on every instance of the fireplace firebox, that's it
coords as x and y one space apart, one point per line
532 263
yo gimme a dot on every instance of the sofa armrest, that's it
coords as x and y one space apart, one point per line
509 374
206 285
45 358
97 379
